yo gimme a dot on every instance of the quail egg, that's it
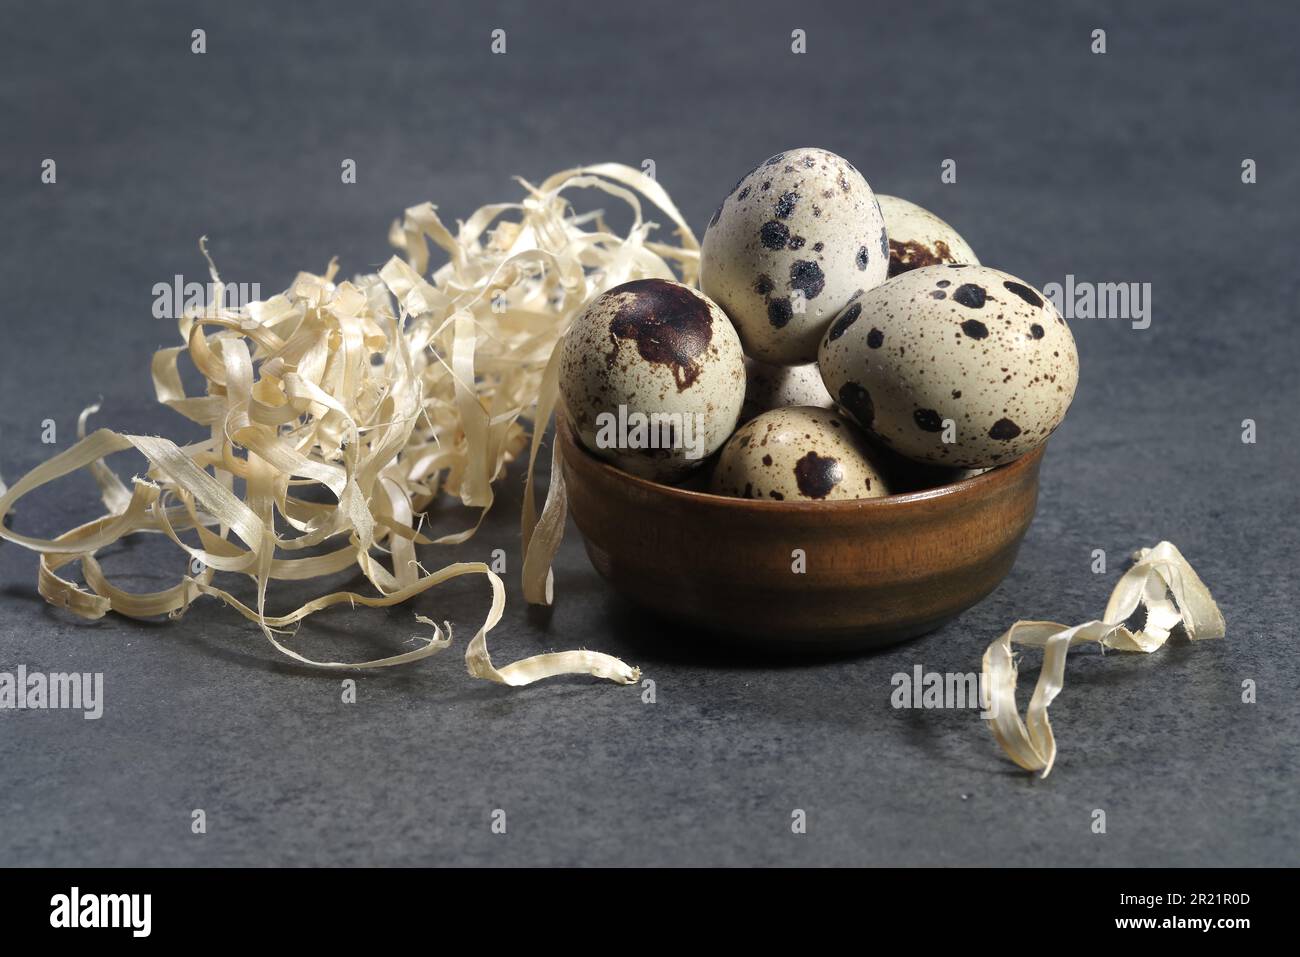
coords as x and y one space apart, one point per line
652 377
774 387
797 454
788 247
961 366
917 237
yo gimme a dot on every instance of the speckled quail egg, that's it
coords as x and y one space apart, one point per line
962 366
788 247
653 377
775 387
798 454
917 237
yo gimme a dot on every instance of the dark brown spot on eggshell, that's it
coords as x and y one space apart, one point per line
974 328
970 295
817 475
875 339
779 312
773 234
1004 430
928 420
846 319
807 276
670 324
857 402
904 257
1025 293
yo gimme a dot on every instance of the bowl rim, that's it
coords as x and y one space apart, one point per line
998 476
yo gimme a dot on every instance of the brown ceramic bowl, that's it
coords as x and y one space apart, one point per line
878 571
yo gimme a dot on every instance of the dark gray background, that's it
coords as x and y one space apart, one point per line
1122 167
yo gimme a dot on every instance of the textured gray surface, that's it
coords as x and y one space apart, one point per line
1122 167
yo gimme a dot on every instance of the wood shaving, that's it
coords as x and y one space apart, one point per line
389 391
1160 579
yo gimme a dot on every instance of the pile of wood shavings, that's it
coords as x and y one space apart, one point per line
388 391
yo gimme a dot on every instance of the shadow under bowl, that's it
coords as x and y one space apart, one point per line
874 571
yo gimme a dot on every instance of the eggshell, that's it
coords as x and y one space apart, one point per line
961 366
651 348
798 454
775 387
787 249
917 237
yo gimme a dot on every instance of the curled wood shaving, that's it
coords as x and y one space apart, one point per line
1160 579
388 391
